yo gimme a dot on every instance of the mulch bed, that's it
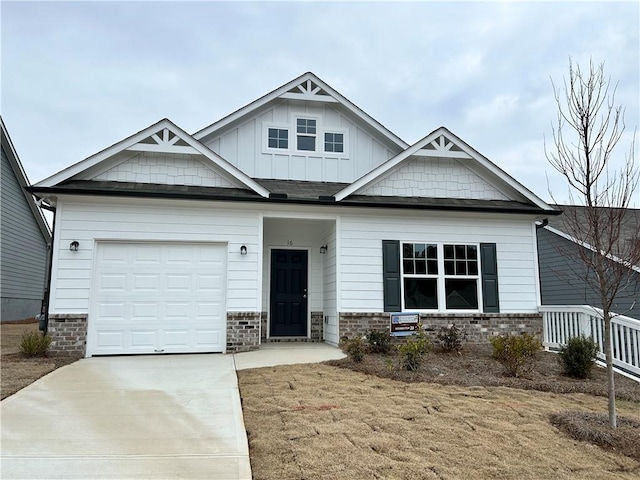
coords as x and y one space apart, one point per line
474 366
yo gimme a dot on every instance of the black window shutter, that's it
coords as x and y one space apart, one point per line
490 300
391 275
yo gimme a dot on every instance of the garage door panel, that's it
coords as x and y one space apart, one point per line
158 297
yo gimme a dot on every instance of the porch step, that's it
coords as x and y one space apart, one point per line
290 340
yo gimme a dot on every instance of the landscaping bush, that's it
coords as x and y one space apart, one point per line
451 338
379 341
578 356
516 353
34 344
355 348
412 352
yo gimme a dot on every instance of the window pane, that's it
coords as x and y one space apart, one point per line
473 268
461 267
419 249
472 252
408 266
311 126
338 138
420 293
448 251
273 143
449 267
338 148
407 250
460 251
432 267
461 294
432 251
306 143
421 267
283 143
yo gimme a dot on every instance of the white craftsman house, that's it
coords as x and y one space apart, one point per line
297 217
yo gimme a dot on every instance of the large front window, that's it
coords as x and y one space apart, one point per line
440 276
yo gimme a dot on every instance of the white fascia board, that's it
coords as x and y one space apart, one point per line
498 172
470 154
23 181
95 159
609 256
281 92
130 143
386 167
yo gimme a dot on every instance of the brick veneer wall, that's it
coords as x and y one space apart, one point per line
68 332
478 326
317 325
243 331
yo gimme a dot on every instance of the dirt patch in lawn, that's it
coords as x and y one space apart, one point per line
323 422
17 371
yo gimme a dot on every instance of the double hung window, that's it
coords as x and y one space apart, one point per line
306 133
440 276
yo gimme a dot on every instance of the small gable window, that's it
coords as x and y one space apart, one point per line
334 142
306 132
278 138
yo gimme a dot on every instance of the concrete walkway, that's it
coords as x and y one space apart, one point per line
138 417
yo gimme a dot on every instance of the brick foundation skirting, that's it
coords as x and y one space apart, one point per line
317 330
243 331
68 332
480 327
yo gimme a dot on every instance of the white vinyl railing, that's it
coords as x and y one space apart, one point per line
562 322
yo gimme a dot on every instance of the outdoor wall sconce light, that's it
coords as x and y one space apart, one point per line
243 250
73 246
323 249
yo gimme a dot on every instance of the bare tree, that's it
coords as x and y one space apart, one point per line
589 127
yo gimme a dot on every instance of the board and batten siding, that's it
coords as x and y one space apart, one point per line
24 251
562 278
88 220
361 279
243 145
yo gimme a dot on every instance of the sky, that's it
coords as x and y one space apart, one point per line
77 77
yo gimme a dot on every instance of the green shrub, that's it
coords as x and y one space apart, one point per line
578 356
516 353
34 344
451 338
413 350
379 341
355 348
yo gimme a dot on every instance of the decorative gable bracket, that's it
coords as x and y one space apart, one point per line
308 90
168 143
441 147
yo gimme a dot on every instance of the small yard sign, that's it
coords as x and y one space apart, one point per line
403 324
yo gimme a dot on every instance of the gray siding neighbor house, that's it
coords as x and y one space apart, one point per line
24 239
562 277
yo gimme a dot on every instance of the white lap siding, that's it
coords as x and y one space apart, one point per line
361 253
88 220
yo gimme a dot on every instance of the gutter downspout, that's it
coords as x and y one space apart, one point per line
43 322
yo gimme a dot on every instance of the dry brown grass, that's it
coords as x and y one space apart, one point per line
16 371
323 422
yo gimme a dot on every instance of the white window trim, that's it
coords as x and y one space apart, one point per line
265 137
441 277
294 129
343 131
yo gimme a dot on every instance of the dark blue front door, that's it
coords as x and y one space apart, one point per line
288 312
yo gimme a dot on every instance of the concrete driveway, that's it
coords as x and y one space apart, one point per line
142 417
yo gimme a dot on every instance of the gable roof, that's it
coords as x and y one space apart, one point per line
442 143
23 181
164 137
307 86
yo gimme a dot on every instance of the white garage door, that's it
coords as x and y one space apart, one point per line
158 298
